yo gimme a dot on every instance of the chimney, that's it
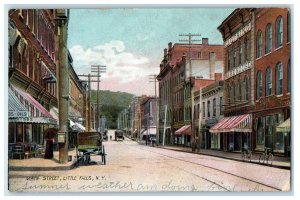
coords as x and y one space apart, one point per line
205 41
170 45
212 65
165 51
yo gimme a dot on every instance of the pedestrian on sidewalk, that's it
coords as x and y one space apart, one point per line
49 137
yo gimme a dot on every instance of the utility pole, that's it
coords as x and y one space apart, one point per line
153 80
61 22
190 40
98 69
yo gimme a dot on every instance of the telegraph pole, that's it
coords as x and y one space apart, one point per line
190 40
153 80
98 69
61 22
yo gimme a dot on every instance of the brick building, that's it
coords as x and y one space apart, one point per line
257 79
32 72
177 81
272 78
238 34
149 117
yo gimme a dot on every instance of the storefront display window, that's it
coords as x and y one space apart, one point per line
260 131
279 142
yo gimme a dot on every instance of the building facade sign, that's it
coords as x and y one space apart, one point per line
238 70
239 34
12 114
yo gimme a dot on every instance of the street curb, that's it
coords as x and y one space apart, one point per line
55 168
275 166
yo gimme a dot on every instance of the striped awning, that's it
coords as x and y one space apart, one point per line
239 123
15 108
185 130
37 113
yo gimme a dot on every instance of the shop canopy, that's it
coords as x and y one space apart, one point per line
239 123
185 130
36 112
77 126
284 126
149 131
15 108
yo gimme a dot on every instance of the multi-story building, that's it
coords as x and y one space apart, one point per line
272 77
238 35
209 111
185 68
32 72
136 117
257 79
149 117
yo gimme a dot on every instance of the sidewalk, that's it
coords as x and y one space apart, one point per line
41 164
279 162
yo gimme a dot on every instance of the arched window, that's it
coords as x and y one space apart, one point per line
259 45
279 78
246 87
241 53
259 85
279 32
269 38
289 76
268 81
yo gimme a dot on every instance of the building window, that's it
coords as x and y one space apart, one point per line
228 94
269 38
246 88
279 77
234 57
234 92
228 60
289 76
279 32
259 45
214 107
261 131
208 108
268 81
240 54
240 90
203 109
221 105
259 85
288 27
246 49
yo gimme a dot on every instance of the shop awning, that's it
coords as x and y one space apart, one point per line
15 108
150 131
185 130
284 126
37 113
77 126
239 123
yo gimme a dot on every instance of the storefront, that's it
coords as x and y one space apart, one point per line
282 137
183 136
234 132
27 118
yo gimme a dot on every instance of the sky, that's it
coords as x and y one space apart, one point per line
130 41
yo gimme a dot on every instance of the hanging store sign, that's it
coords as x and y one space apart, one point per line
238 70
239 34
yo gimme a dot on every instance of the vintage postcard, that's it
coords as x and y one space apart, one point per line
149 99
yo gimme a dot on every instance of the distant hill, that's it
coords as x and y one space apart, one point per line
111 104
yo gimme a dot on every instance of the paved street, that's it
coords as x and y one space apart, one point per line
132 167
